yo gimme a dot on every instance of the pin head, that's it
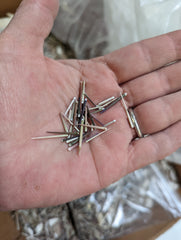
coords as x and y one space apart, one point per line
123 94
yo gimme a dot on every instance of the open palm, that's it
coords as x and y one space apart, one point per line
35 89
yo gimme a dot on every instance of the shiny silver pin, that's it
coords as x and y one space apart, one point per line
50 137
126 109
106 101
95 136
69 107
95 127
109 123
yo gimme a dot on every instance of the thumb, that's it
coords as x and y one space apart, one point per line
32 22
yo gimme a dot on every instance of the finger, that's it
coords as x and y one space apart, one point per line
158 114
153 85
155 147
143 57
33 22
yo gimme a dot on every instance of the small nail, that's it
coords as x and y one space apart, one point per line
67 133
105 101
83 110
126 109
64 123
71 123
112 104
50 137
83 92
97 135
75 113
72 139
69 107
99 122
109 123
90 100
86 119
81 134
92 126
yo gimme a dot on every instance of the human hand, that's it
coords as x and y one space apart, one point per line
35 89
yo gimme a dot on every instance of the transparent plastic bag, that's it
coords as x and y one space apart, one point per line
144 197
51 223
129 21
81 24
96 27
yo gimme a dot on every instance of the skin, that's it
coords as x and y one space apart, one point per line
35 89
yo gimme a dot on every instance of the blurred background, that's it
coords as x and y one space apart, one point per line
143 204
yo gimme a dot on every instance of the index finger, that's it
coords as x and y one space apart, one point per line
145 56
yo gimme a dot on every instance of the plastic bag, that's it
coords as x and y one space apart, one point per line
96 27
81 24
51 223
144 197
129 21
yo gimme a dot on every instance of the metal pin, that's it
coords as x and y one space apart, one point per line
92 126
99 110
69 117
136 125
71 123
109 123
67 133
90 123
91 118
100 123
72 139
112 104
72 147
79 100
83 92
126 109
107 100
96 108
97 135
70 129
76 141
83 110
70 114
69 107
86 119
78 108
50 137
75 112
90 100
64 123
73 143
106 104
103 107
81 134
